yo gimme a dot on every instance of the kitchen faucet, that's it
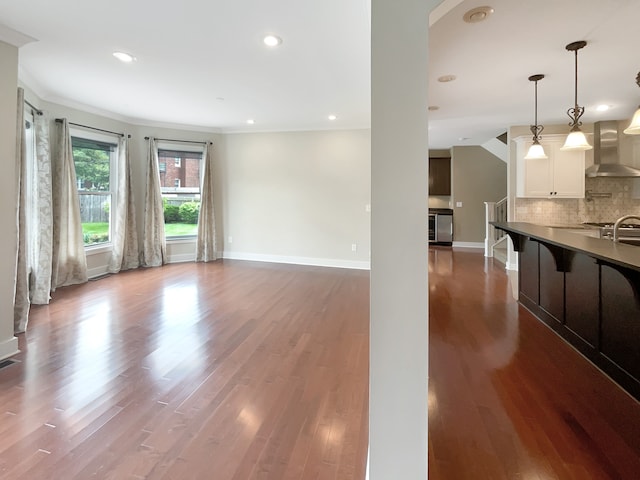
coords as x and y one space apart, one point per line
616 225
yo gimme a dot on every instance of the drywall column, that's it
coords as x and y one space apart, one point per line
8 239
399 285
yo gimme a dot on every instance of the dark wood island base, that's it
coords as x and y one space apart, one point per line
587 290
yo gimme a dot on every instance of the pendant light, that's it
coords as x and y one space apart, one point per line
634 128
536 150
576 140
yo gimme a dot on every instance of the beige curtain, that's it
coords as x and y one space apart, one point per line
206 243
21 301
40 216
125 253
154 247
69 259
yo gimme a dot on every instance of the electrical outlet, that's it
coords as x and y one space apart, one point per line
230 240
367 208
458 204
354 247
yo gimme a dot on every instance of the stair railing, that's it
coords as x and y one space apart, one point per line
494 212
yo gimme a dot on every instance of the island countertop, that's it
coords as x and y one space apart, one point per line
627 256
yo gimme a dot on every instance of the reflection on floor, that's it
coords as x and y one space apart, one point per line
508 399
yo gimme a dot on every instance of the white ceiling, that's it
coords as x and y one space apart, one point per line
202 64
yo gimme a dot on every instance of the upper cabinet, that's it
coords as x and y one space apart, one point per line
561 175
439 176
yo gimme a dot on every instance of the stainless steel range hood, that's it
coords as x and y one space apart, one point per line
606 157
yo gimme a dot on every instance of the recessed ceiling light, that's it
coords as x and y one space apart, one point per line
446 78
602 108
433 108
272 41
332 117
478 14
463 139
124 57
251 121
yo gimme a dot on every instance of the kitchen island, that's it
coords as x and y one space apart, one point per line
587 290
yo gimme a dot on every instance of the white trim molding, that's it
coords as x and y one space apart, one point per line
468 245
312 261
9 347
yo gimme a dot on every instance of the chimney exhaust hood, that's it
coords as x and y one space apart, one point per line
606 158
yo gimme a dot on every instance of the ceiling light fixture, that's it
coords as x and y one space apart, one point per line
332 117
536 150
272 40
124 57
251 121
602 108
478 14
634 127
576 140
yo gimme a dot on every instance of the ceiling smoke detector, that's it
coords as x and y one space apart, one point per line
477 14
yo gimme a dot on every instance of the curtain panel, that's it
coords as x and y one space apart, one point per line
69 259
154 245
40 216
21 299
206 242
125 254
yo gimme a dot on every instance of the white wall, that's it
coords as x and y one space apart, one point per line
297 197
399 274
8 238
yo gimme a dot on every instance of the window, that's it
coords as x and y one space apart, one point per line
94 161
180 185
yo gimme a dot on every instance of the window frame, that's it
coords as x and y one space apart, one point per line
164 145
113 177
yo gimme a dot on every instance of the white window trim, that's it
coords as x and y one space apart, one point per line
113 178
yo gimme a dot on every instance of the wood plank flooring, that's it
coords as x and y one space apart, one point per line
231 370
241 370
508 399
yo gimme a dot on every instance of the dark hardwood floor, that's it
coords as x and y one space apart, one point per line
231 370
508 399
239 370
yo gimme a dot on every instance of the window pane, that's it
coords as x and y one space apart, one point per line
180 185
92 160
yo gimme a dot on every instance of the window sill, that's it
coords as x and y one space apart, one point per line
96 249
182 239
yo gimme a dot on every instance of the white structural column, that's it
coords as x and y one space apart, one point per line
399 284
8 237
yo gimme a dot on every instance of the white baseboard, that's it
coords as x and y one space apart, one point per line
316 262
97 271
181 258
511 266
9 347
468 245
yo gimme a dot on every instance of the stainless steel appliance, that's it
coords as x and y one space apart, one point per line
441 226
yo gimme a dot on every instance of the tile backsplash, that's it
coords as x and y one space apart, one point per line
573 211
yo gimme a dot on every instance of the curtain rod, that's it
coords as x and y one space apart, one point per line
181 141
37 110
59 120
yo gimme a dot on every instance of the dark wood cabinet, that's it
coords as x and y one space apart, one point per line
552 283
620 321
582 290
439 176
528 273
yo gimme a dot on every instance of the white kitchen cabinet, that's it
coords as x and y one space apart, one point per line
561 175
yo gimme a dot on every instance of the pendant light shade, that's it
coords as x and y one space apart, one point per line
536 150
576 140
634 128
